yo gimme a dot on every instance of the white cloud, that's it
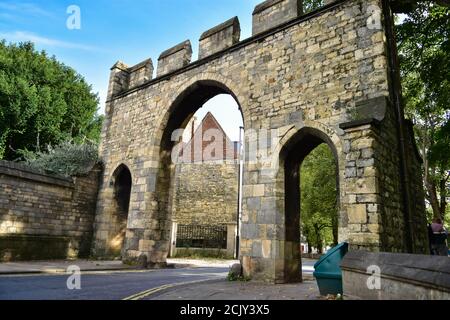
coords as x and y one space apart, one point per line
17 36
26 8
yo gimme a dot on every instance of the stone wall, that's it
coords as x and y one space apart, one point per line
320 77
206 193
390 276
45 216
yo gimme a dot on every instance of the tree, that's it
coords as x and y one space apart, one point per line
318 198
424 52
42 102
310 5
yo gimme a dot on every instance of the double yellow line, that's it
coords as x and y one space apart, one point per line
146 293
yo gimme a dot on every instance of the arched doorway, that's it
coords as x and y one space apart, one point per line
180 113
121 183
291 158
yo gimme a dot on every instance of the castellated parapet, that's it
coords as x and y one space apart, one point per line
220 37
174 58
266 16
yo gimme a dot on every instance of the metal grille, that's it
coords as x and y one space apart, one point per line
196 236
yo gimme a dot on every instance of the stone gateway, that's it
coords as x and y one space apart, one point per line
328 76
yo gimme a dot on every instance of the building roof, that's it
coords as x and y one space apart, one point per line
209 142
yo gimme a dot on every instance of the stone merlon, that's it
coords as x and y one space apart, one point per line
123 77
174 58
272 13
220 37
141 73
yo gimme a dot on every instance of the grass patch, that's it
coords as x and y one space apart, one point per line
193 253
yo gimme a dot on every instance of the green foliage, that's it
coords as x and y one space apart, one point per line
424 52
42 102
311 5
219 254
66 159
231 276
319 212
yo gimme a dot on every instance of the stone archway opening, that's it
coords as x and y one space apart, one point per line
200 173
121 183
318 205
293 155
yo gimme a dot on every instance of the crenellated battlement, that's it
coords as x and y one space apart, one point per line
267 16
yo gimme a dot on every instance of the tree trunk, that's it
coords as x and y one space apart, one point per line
335 230
432 197
443 200
319 245
319 239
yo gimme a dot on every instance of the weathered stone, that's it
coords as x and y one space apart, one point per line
143 261
236 270
357 213
272 13
174 58
403 276
220 37
309 65
48 217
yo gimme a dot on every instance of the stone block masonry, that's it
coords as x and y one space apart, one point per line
220 37
206 193
322 77
393 276
44 216
271 13
174 58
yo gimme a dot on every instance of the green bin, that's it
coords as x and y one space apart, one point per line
328 271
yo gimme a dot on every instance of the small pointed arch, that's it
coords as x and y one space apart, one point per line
121 182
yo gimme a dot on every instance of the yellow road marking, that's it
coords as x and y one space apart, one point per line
146 293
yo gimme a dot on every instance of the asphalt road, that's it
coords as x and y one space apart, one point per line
106 285
99 285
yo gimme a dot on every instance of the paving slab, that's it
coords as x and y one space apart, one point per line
239 290
60 266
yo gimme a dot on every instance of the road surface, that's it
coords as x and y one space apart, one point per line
106 285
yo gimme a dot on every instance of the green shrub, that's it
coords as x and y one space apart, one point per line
66 159
233 277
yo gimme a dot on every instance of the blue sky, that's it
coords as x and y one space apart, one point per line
126 30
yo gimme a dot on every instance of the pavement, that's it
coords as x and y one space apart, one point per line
238 290
52 267
60 266
111 280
